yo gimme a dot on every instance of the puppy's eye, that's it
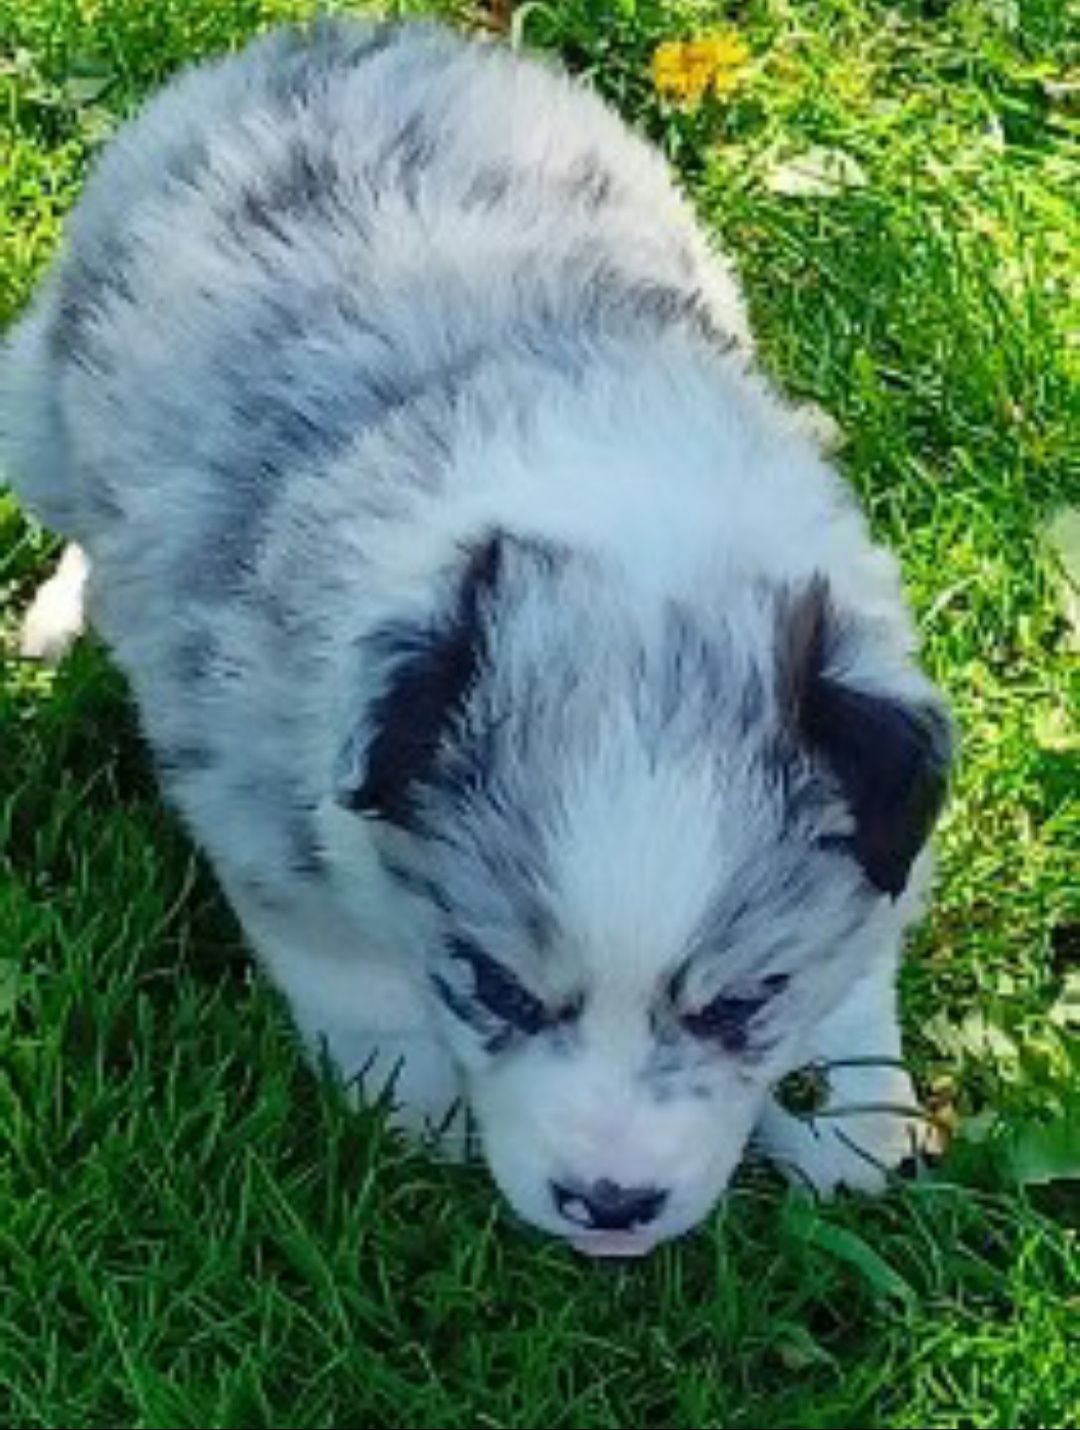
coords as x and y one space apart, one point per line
497 992
727 1019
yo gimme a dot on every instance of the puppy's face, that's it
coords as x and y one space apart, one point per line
656 847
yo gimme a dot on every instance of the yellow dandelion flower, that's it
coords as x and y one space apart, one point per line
685 70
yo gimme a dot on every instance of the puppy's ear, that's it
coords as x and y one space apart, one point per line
889 756
429 672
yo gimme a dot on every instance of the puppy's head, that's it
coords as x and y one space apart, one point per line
657 843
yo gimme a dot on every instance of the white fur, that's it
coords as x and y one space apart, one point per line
56 617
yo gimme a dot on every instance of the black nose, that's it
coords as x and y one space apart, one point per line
607 1207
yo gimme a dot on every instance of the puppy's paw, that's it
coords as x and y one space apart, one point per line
416 1081
862 1150
448 1133
821 427
56 617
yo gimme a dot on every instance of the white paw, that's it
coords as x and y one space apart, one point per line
56 617
831 1149
416 1079
821 427
447 1133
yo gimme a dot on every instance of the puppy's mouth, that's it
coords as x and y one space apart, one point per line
613 1244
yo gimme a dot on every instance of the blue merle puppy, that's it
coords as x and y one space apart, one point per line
508 644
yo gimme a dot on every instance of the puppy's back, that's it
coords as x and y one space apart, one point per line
287 245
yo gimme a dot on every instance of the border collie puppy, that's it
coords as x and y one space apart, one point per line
506 641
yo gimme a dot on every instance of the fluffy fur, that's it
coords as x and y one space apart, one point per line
529 677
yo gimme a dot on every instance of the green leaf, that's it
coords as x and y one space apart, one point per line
850 1248
1047 1152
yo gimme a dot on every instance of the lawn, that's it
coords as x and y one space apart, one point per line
194 1231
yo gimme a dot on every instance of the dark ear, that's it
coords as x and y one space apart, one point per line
890 757
431 670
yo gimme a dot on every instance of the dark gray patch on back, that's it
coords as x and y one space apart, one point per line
311 55
589 183
667 307
613 301
284 422
281 424
229 550
489 187
306 183
88 285
405 158
95 272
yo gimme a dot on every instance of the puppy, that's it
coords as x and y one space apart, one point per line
529 678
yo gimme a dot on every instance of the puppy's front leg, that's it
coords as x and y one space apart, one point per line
363 1015
412 1072
869 1121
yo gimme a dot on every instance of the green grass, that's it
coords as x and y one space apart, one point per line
193 1232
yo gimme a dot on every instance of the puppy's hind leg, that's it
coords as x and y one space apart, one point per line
57 614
